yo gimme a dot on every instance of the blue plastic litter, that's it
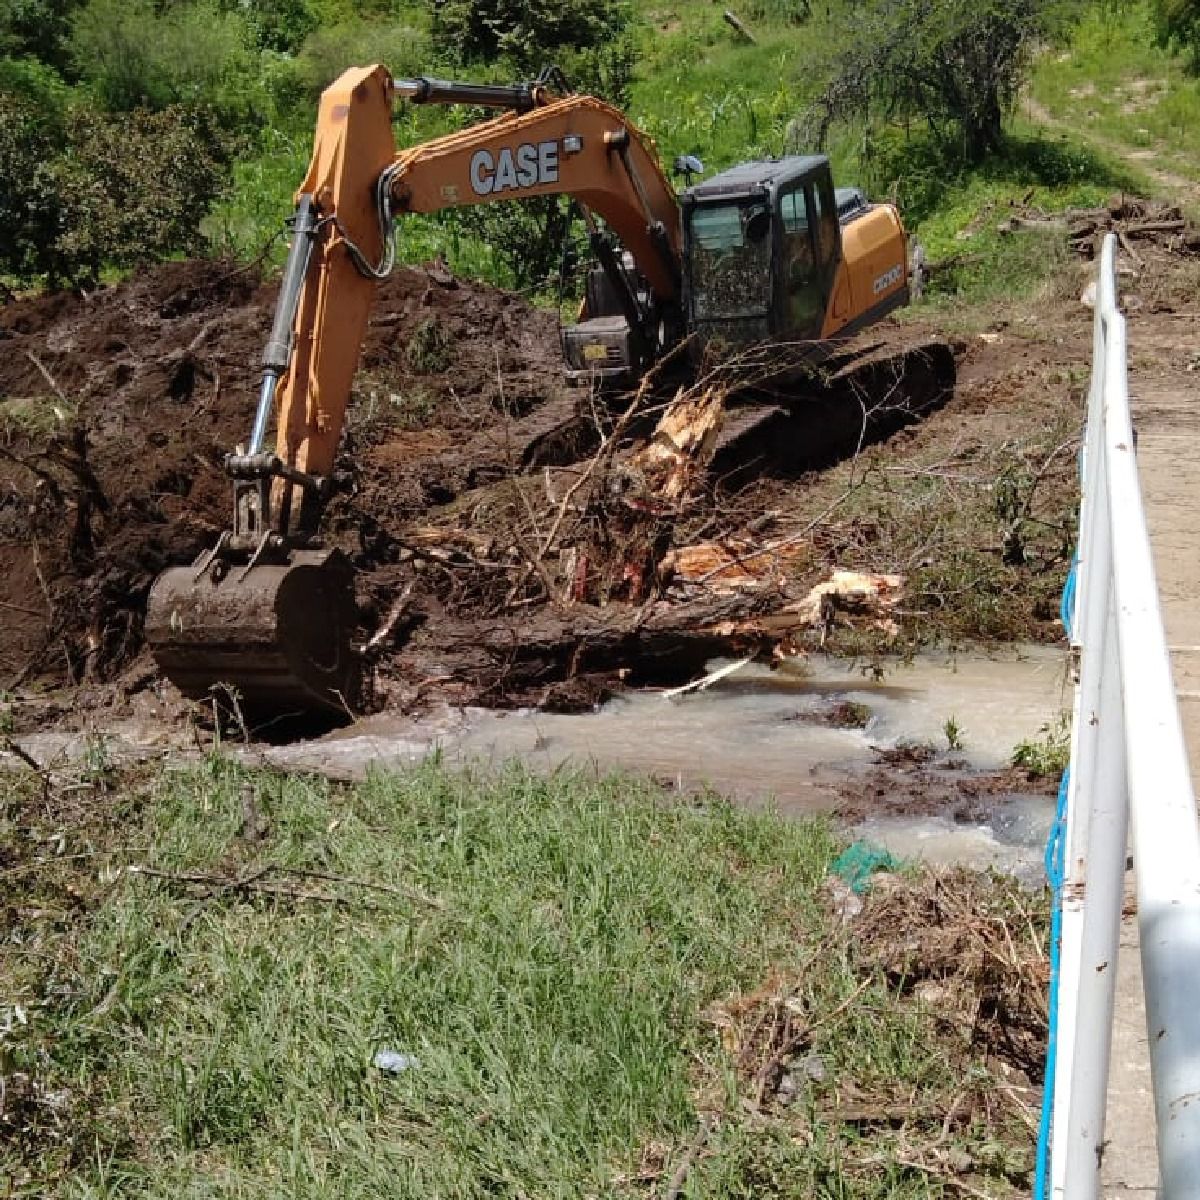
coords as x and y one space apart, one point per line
858 862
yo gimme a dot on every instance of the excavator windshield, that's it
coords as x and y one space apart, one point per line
730 261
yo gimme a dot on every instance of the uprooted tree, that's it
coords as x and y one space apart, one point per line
956 64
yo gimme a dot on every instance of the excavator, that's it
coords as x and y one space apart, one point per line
767 251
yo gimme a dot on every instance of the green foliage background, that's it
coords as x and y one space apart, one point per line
131 130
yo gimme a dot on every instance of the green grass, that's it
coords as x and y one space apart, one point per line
1113 82
550 950
955 210
33 416
1048 755
700 89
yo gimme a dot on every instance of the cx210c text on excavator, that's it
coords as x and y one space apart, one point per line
766 250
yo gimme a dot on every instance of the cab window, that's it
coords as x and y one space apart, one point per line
825 208
794 210
801 280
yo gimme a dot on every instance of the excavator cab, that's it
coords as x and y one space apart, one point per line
762 243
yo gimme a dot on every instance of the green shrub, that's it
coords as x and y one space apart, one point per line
401 47
30 205
36 29
135 56
524 32
1049 754
280 25
792 12
921 171
1177 24
134 187
34 82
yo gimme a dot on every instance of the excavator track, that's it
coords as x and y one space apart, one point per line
806 418
277 636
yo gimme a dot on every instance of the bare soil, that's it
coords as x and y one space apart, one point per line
510 546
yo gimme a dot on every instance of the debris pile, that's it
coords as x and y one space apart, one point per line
1130 218
803 1061
515 541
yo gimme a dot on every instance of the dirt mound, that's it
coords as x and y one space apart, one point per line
517 541
117 407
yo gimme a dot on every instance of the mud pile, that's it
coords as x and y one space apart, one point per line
116 409
516 541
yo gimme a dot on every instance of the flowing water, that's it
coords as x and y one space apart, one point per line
760 736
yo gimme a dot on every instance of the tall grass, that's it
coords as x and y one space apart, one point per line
1112 80
201 968
701 88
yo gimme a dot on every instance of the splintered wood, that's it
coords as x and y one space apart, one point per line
734 564
863 595
682 443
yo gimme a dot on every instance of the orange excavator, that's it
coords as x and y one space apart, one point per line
765 251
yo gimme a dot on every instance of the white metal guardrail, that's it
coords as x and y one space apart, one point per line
1129 772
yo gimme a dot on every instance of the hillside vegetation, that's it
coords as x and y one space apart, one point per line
135 131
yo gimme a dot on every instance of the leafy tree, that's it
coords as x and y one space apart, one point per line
280 25
30 206
134 187
1177 24
36 29
589 41
956 64
98 190
524 32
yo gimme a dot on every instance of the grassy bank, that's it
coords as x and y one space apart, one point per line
1112 83
201 966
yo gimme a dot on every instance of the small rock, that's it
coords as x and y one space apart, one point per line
813 1067
959 1161
843 900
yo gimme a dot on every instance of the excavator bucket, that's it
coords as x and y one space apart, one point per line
277 634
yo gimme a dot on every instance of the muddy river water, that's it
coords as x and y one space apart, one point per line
760 736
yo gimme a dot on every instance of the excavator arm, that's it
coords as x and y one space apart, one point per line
268 612
574 145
